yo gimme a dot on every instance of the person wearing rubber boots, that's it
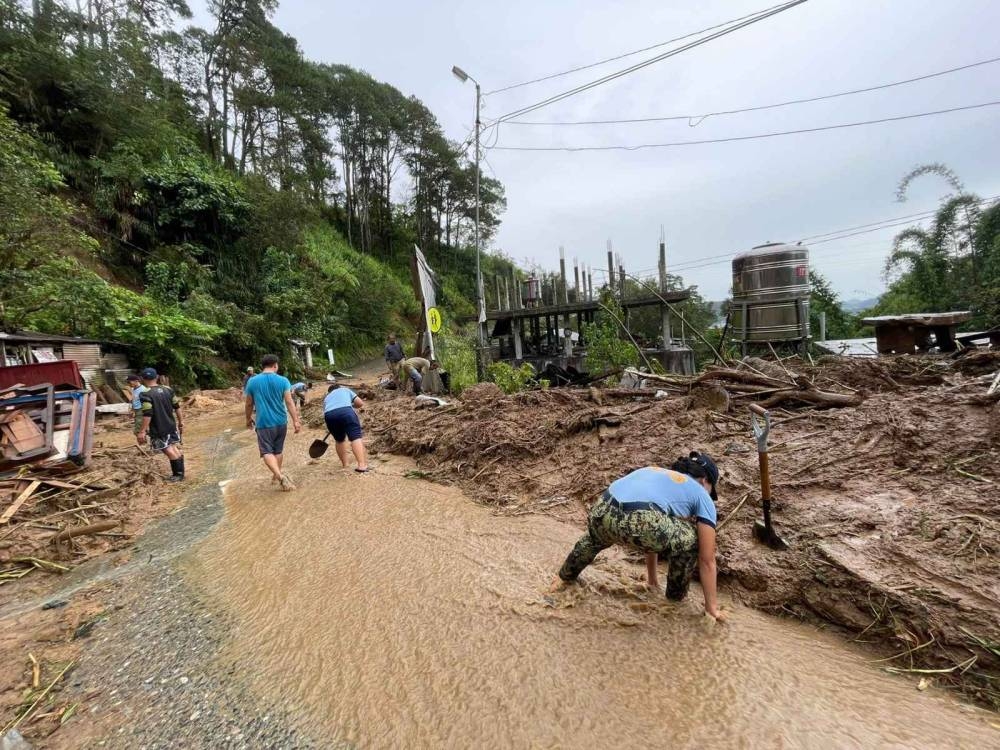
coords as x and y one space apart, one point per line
669 513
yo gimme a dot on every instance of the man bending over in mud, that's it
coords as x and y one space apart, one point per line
665 512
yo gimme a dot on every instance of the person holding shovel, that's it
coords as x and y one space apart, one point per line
668 513
341 417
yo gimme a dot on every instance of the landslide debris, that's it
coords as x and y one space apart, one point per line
885 484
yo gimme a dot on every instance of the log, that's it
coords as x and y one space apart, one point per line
818 398
741 376
90 528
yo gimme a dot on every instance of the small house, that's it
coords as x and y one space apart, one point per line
99 362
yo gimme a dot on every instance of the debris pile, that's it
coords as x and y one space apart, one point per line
884 477
52 520
46 425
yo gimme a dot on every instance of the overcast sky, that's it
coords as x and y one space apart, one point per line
712 199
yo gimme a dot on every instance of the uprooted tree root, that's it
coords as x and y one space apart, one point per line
890 504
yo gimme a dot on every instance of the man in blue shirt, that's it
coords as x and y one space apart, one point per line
137 389
668 513
343 423
270 394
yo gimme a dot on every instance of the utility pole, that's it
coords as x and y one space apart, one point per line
481 310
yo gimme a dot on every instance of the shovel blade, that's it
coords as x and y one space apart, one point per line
767 535
317 448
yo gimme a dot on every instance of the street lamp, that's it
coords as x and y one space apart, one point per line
480 303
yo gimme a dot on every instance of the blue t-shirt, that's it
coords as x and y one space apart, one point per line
136 392
268 390
298 387
678 494
338 399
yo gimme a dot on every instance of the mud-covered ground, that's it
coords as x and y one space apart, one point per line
891 507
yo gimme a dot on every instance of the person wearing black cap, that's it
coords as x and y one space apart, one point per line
669 513
162 422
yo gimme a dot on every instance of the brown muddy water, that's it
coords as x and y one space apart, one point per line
389 612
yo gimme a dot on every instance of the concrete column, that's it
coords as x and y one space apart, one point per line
518 351
576 283
567 342
590 285
564 297
309 356
621 286
611 269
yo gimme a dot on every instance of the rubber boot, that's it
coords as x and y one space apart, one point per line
177 469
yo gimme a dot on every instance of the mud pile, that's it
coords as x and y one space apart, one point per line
890 505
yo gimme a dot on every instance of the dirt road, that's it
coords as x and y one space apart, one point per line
386 611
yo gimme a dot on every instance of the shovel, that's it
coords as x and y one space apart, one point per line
318 447
764 532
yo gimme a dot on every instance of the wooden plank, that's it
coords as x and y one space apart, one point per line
21 499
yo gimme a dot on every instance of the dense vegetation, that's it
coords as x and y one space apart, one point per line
954 264
192 191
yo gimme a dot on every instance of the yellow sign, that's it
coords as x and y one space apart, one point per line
434 319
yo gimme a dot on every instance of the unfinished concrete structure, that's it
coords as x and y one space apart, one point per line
542 323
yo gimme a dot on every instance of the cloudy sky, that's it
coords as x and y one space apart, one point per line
712 199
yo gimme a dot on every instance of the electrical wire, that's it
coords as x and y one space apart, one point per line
627 54
757 136
646 63
712 260
702 117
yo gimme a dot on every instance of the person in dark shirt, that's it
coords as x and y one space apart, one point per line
162 422
393 356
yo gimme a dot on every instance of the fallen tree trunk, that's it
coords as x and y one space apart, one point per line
817 398
741 376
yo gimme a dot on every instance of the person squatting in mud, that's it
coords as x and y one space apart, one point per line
668 513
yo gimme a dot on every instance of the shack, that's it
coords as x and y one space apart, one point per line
99 362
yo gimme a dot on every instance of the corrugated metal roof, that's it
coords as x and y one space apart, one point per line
28 337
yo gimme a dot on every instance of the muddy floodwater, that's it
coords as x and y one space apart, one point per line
383 611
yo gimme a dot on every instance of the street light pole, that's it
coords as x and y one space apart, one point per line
480 302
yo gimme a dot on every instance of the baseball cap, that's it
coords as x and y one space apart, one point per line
706 462
149 374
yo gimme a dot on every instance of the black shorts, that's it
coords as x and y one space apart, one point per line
271 440
343 424
162 442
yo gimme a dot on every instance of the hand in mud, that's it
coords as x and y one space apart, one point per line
140 438
558 584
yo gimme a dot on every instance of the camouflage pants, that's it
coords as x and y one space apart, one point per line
673 539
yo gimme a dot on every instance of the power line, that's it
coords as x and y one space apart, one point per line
701 117
651 61
757 136
626 54
713 260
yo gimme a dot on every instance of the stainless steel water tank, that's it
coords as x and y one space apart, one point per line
771 288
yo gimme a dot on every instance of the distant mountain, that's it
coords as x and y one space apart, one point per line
857 305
